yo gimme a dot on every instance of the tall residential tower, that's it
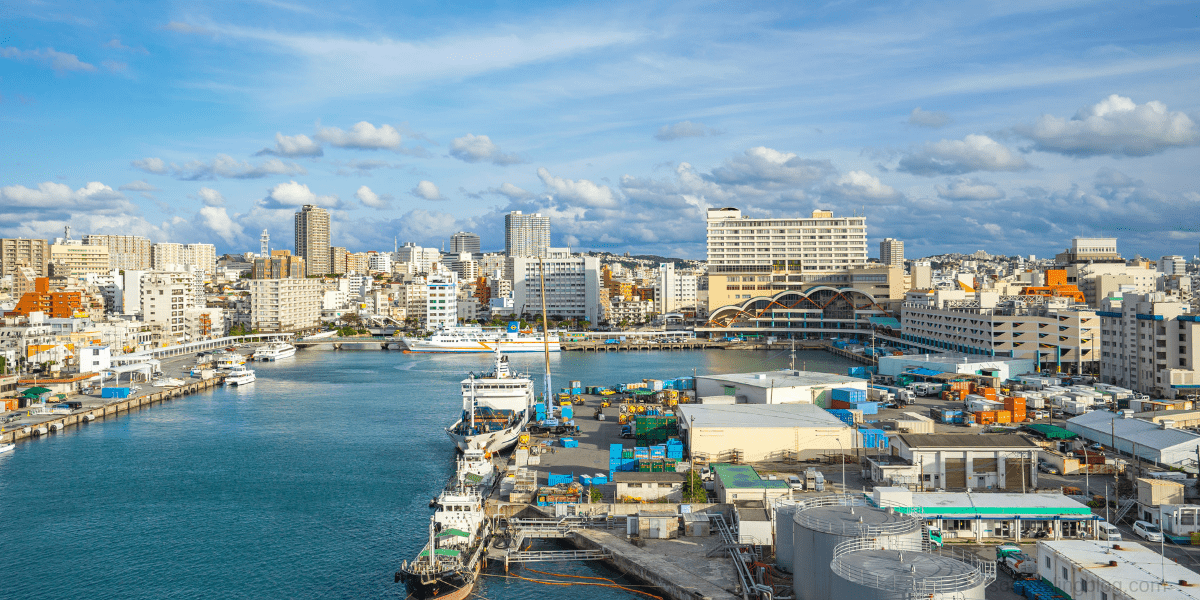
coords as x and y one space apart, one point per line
526 235
312 239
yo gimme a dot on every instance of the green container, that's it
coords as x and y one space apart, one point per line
644 466
627 454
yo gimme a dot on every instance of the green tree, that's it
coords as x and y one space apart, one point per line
693 489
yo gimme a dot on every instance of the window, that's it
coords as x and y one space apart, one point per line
1103 595
1047 562
634 485
1064 571
1083 585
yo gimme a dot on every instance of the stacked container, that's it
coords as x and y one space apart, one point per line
873 438
843 415
851 395
1016 406
675 449
616 455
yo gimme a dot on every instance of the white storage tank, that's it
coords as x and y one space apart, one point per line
785 525
880 569
823 523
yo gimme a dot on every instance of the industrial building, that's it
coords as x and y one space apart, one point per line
763 432
1159 443
649 486
967 364
983 517
741 482
966 461
1102 570
776 387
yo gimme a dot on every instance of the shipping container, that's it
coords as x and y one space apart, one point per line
1003 416
848 394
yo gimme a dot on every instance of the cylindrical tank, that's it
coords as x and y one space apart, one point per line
785 524
823 523
871 572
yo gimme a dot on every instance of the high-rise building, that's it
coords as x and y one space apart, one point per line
423 259
1149 344
673 290
169 256
572 285
124 251
464 241
526 234
1172 265
164 297
891 252
20 252
441 309
80 259
337 260
312 239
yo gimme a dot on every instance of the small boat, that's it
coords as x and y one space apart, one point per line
274 351
7 448
239 375
228 360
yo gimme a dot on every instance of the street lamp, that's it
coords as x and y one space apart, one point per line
842 459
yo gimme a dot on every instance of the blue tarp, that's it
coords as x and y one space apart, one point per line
924 372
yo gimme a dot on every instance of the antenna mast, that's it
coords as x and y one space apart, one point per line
545 334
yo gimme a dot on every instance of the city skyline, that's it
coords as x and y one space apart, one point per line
952 128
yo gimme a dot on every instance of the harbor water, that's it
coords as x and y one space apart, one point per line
312 482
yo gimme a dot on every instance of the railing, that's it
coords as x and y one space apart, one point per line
556 555
816 523
977 572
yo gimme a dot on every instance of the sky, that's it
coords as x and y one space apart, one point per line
1010 127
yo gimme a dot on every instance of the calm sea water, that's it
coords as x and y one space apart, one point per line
313 482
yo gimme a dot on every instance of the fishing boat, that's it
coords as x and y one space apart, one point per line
481 339
239 375
274 351
495 409
448 566
7 448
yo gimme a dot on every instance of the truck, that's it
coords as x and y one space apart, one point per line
1017 564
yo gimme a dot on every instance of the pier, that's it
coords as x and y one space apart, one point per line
644 345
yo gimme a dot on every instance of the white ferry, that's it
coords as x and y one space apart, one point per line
224 359
274 351
496 407
480 339
240 375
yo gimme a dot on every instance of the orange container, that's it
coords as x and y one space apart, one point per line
1018 416
1004 416
960 385
985 417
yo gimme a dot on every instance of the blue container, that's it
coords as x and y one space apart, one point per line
849 394
553 479
114 392
599 480
614 450
585 480
658 451
843 415
568 412
873 438
867 408
569 443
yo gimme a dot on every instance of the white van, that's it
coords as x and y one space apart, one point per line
1108 531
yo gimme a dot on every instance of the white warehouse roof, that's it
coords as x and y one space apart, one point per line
1100 426
787 379
1138 574
757 415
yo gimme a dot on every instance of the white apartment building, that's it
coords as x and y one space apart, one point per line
80 259
109 287
1051 331
169 256
423 258
165 295
1172 265
1098 280
891 252
630 312
205 323
285 304
572 285
464 265
1148 344
673 290
785 250
1094 250
131 285
379 263
441 301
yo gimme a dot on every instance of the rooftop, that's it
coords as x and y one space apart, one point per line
996 504
785 379
638 477
743 477
953 358
965 440
1104 425
751 510
757 415
1139 571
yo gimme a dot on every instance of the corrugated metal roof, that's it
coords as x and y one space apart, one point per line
1103 424
785 379
639 477
757 415
1052 432
965 440
743 477
1139 572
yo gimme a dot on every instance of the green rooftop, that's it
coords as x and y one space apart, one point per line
453 533
744 476
1051 432
442 552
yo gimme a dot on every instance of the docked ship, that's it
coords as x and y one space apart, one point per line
481 339
239 375
496 408
274 351
448 566
225 359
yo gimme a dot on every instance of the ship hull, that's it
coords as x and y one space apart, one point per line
492 441
456 586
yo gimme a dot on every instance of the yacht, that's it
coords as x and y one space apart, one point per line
7 448
239 375
481 339
274 351
226 359
495 409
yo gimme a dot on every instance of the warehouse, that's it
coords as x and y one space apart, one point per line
1159 443
777 387
1096 570
649 486
966 461
967 364
763 432
993 516
742 482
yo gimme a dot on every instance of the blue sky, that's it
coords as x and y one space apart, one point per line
1009 126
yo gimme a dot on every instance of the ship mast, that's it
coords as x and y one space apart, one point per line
545 336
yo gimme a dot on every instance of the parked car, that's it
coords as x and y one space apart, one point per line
1108 531
1147 531
1046 468
795 483
1040 414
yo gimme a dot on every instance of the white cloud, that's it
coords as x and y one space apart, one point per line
928 118
218 221
370 199
1115 126
511 192
150 165
293 146
363 136
767 168
480 148
138 186
579 192
683 129
61 62
427 190
211 197
862 187
956 157
294 195
969 189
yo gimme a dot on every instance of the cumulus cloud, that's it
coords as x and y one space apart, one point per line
956 157
60 62
771 169
41 211
969 189
480 148
1116 126
363 136
216 219
862 187
370 199
928 118
512 192
221 166
211 197
427 190
683 129
293 146
294 195
581 192
138 186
